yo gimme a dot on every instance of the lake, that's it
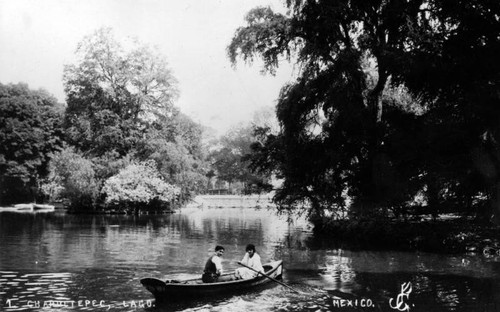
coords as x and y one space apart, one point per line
94 263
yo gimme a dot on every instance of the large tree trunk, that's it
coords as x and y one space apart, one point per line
487 162
370 189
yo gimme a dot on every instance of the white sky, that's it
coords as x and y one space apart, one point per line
37 37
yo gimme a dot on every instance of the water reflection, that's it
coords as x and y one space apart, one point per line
80 258
439 282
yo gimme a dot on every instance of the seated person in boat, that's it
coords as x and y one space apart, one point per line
252 260
213 266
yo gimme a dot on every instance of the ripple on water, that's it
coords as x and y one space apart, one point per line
40 286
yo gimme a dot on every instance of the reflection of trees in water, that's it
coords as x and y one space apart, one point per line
293 236
21 233
217 225
128 247
58 239
439 282
236 227
433 292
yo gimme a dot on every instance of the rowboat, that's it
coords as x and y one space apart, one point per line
172 290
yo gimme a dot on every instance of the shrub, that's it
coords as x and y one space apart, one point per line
72 176
139 186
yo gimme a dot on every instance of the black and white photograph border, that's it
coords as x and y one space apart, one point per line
249 155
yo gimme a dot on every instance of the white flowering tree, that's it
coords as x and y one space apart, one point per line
139 186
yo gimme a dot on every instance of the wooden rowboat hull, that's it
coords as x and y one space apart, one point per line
173 291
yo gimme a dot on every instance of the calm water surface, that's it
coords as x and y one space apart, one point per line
94 263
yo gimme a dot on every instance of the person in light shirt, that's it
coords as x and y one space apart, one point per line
251 259
213 266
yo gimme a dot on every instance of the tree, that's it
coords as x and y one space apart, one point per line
231 160
139 185
266 118
177 149
331 116
30 129
340 137
453 66
121 110
113 93
73 177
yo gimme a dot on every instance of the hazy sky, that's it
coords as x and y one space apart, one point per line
37 37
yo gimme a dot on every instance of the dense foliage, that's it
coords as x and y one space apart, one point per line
395 101
113 94
230 156
178 150
30 129
120 115
139 186
120 112
72 177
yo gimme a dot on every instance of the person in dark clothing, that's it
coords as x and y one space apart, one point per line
213 266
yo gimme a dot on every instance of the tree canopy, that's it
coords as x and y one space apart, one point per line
113 93
139 185
230 159
120 98
74 178
30 129
393 99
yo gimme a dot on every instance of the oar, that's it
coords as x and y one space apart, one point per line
272 279
281 283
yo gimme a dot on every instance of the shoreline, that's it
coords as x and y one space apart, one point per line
448 236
